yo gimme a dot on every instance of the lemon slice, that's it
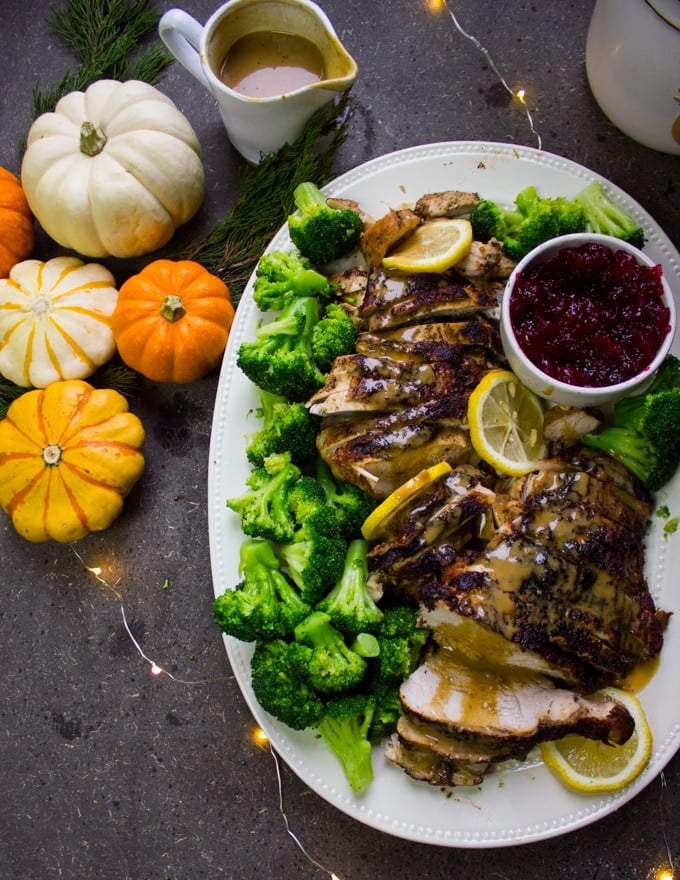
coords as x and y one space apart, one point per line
592 766
506 423
434 246
375 524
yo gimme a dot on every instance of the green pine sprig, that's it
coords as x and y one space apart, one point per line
233 247
105 37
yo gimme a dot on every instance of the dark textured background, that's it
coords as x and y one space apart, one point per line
111 773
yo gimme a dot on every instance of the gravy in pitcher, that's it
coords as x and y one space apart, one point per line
264 64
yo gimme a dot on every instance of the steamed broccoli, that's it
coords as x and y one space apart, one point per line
314 557
534 219
344 727
281 276
388 708
264 605
489 220
285 427
349 604
402 642
321 233
334 335
644 432
280 360
352 505
333 667
263 507
402 622
306 499
604 216
279 681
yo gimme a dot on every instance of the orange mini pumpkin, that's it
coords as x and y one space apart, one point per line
172 321
17 233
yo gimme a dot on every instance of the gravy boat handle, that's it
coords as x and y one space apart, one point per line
182 35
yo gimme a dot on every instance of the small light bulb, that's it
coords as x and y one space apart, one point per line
155 669
519 94
260 737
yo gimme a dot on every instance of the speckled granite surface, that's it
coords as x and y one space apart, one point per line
111 773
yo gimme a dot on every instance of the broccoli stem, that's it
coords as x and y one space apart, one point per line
307 195
344 727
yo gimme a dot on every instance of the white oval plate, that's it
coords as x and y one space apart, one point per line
518 804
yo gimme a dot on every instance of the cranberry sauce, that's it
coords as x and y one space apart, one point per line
590 316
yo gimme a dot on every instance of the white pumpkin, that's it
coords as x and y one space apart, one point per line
114 170
55 320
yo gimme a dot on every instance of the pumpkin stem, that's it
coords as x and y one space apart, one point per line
52 454
92 139
172 308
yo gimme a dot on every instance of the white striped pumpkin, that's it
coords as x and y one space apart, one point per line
55 320
113 170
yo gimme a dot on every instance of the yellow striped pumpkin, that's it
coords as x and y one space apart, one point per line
55 320
69 454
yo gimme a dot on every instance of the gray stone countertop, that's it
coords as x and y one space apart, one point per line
113 773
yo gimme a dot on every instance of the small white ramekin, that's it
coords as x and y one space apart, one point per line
554 390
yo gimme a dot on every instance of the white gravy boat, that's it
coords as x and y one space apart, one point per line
258 126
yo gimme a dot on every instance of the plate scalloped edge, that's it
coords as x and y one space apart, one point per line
519 804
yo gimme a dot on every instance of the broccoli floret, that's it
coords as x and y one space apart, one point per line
532 220
264 605
286 427
352 505
349 604
401 621
333 667
488 221
604 216
334 335
315 555
321 233
281 276
280 360
402 641
344 727
388 709
538 222
644 432
399 656
263 507
569 215
314 558
306 499
279 681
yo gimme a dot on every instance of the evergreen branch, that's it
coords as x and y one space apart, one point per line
117 376
104 35
8 393
233 247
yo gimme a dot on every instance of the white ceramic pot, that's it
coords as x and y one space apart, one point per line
633 68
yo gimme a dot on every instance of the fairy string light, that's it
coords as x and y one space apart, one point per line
156 668
519 95
668 871
331 874
260 736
